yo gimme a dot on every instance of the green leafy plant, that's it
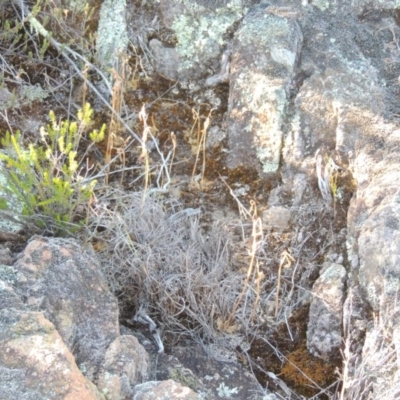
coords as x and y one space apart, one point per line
45 179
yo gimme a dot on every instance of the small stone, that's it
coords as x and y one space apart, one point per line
276 217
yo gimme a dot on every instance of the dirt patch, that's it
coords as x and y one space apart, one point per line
285 355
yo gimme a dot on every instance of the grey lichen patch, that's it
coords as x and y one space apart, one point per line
8 274
185 377
268 30
112 37
226 392
200 31
324 5
166 59
371 288
7 99
31 93
334 5
377 4
268 139
9 222
25 95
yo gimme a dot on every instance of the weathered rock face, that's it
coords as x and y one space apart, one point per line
64 283
303 76
35 363
265 52
228 379
345 99
57 314
208 370
165 390
324 335
344 96
356 6
200 28
125 364
377 242
304 95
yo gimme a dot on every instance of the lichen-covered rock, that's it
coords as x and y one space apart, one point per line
6 257
194 367
55 279
200 28
276 217
112 34
166 60
164 390
58 278
125 364
8 298
324 334
331 91
357 6
35 363
378 246
265 52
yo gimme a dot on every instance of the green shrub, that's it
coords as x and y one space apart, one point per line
44 179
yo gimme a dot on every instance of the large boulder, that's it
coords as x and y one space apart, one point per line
60 331
59 279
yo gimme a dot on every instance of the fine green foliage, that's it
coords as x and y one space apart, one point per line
45 178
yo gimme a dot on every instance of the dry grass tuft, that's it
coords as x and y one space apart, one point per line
155 255
373 373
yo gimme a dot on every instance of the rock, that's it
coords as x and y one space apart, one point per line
126 362
215 136
355 6
265 52
343 97
8 298
324 334
192 366
219 377
378 249
167 61
112 39
339 101
165 390
276 217
298 82
200 28
35 363
320 74
61 282
60 279
6 258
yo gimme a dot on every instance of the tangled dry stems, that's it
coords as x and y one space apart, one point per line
158 256
374 372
